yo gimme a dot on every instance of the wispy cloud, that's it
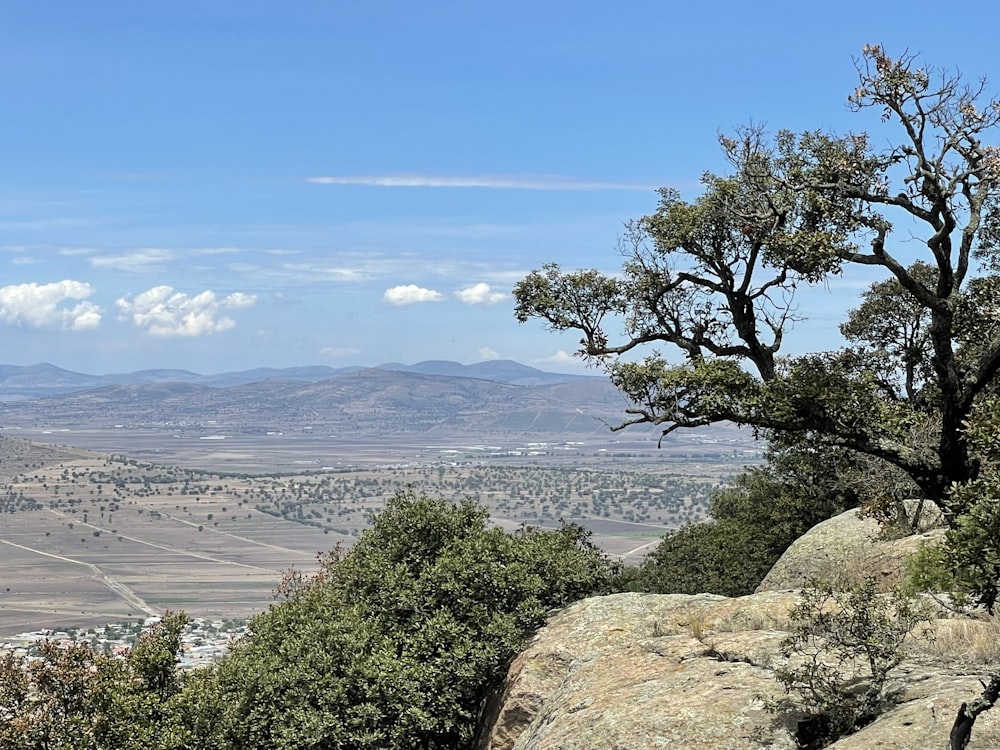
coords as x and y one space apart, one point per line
148 258
216 251
163 312
135 176
41 306
410 294
279 273
559 358
339 351
479 294
495 182
324 272
505 277
30 225
134 262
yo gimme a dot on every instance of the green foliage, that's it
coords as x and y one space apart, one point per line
928 571
193 714
593 295
972 544
754 521
716 557
712 280
973 549
701 387
74 698
396 643
842 647
890 328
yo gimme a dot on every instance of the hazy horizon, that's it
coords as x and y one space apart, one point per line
225 186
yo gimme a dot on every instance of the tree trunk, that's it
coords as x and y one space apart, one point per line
961 730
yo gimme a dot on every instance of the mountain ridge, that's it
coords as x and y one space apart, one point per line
364 402
45 379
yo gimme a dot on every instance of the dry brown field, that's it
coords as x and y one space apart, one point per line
117 525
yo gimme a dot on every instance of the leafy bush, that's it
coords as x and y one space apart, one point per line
841 649
928 570
74 698
754 521
972 543
719 557
398 642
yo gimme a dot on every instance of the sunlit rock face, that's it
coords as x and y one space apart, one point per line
642 671
845 549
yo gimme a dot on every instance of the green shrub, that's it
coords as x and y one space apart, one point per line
753 522
928 570
398 642
75 698
841 649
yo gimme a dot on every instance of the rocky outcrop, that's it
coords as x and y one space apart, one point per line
845 549
643 671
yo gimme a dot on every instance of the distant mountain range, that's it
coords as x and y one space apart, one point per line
37 381
432 398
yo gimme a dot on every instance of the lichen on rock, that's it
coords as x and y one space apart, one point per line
642 671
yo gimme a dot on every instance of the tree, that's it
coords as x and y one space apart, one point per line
715 279
845 644
972 544
73 697
398 642
753 521
891 329
961 730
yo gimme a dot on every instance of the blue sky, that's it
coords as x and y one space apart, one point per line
222 185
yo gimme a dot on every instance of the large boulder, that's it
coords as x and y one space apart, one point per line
642 671
846 548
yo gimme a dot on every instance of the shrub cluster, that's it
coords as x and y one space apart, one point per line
395 644
753 521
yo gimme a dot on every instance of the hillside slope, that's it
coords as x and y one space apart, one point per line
363 402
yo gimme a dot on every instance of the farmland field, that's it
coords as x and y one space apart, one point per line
115 525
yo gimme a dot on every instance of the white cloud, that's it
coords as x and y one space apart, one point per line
163 312
30 225
217 251
324 272
498 182
40 306
479 294
559 358
134 262
409 294
485 354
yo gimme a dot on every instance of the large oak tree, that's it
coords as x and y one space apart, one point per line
713 280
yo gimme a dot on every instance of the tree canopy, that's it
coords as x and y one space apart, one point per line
75 698
753 521
398 642
714 280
